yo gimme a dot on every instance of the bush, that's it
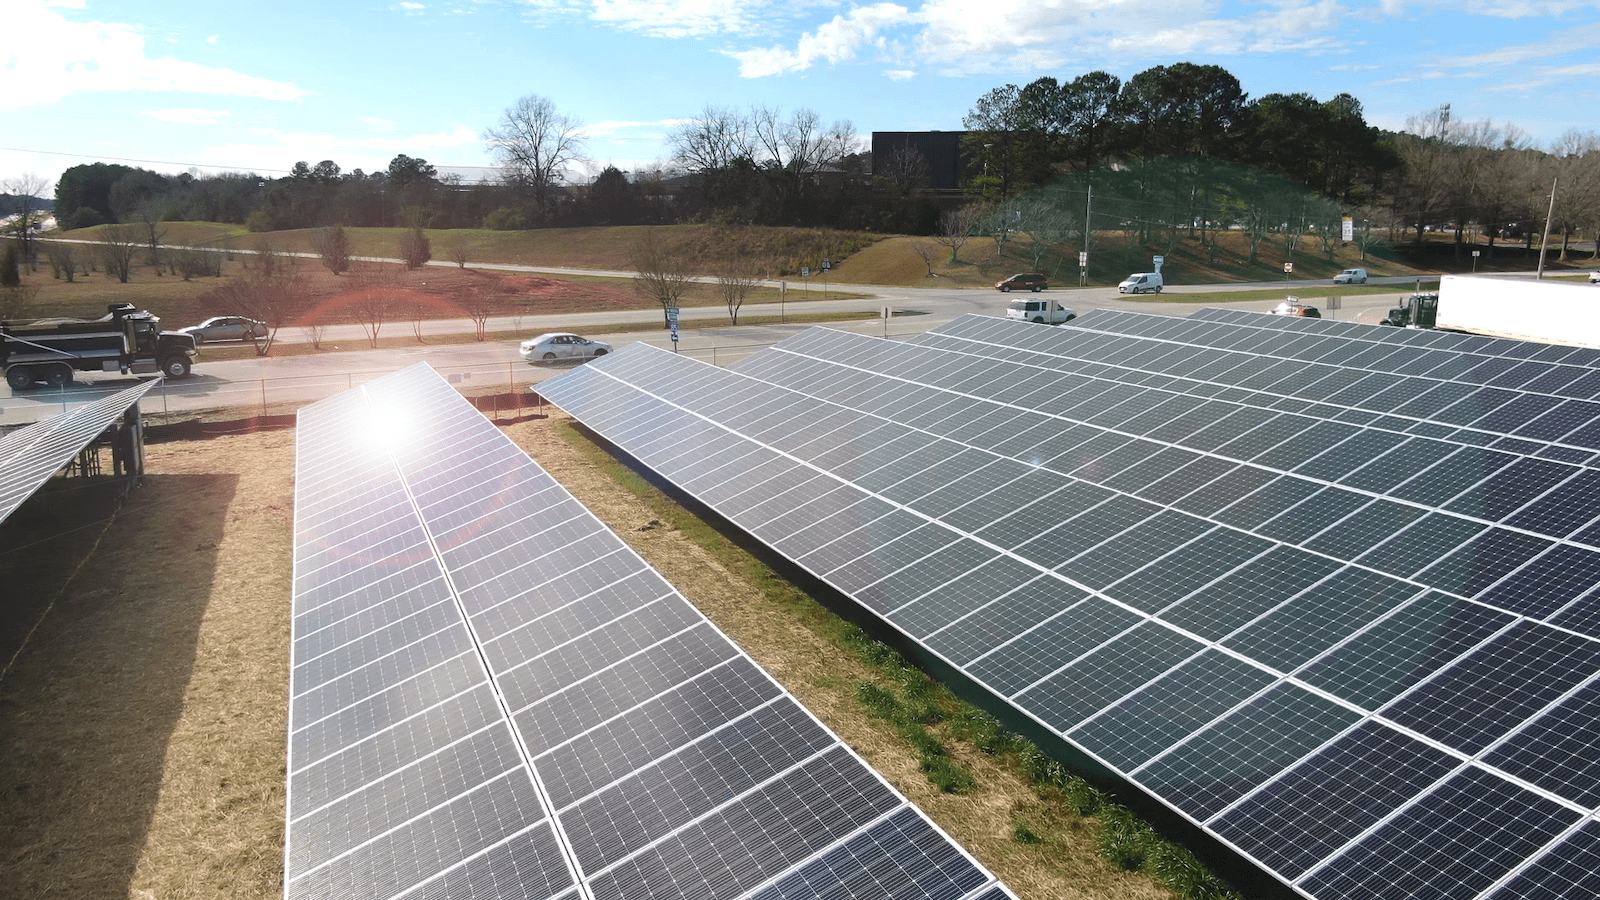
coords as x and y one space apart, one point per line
509 218
415 249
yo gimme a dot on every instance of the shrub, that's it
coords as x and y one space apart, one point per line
10 275
1125 840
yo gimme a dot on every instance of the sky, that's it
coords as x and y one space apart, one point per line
245 86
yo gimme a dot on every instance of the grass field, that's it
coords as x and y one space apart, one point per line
857 258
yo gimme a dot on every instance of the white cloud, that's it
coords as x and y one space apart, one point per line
182 116
833 42
962 37
665 18
213 39
62 57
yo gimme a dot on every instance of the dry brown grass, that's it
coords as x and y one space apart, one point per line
144 719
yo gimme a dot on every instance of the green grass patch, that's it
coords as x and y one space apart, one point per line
1023 832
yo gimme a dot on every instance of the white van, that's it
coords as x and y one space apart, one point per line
1047 312
1351 276
1141 283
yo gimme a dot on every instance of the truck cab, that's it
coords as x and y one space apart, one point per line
1047 312
126 339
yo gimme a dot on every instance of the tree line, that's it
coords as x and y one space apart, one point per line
1175 149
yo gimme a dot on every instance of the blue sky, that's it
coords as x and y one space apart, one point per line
249 86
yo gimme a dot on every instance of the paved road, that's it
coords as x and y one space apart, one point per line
280 383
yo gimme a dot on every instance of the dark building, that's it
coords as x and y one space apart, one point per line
948 167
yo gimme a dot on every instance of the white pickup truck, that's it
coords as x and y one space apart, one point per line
1048 312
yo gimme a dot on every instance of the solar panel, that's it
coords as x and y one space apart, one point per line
1230 574
30 455
491 695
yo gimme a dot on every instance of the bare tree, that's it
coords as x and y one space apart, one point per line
661 271
926 250
458 253
478 306
63 260
374 298
537 145
27 188
117 243
333 246
270 290
314 332
716 139
907 169
955 227
737 276
149 215
1049 225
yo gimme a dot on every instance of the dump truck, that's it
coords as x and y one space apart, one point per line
126 339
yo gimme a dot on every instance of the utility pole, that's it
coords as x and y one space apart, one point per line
1547 217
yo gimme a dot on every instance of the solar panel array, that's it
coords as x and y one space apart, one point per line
1328 592
493 696
30 455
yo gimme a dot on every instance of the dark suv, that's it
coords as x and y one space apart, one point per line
1025 281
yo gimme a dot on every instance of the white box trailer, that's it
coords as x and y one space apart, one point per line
1557 312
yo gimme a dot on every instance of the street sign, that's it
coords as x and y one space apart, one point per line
1156 261
826 264
1083 258
1349 233
1287 268
805 271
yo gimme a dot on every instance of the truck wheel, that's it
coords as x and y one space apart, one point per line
176 367
20 378
58 375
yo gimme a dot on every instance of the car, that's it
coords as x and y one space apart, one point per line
561 345
1594 277
1351 276
1023 281
225 328
1292 307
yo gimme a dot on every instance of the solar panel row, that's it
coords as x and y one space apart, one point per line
1246 599
30 455
493 696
